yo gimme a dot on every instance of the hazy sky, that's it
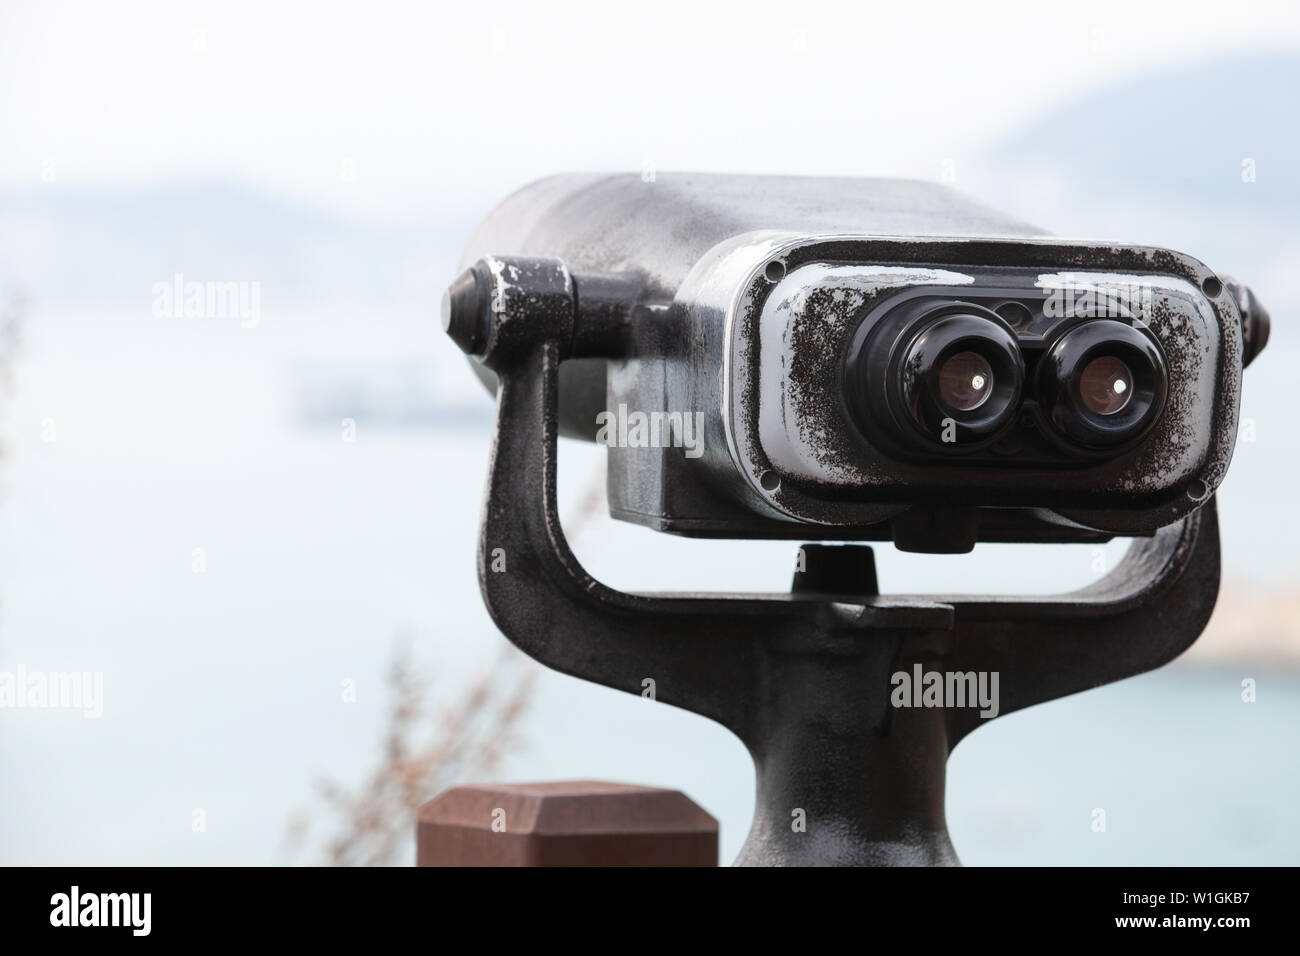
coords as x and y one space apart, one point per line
395 107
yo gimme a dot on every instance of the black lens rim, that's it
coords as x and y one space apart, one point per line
921 350
1061 366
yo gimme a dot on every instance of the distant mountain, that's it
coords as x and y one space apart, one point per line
348 306
1177 136
1167 158
104 247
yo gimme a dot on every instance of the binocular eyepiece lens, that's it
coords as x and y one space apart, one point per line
1103 383
1106 385
950 376
965 381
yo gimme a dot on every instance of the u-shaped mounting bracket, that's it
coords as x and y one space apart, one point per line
804 678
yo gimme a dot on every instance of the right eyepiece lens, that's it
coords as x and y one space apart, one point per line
1106 385
965 381
1103 383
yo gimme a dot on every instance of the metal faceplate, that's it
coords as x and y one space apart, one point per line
801 300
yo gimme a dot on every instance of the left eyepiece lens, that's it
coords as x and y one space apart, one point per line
935 375
959 377
965 381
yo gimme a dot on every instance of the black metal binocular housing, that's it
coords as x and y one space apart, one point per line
871 359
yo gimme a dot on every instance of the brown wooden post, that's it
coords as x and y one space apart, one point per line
568 823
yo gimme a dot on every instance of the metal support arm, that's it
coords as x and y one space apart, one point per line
804 678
